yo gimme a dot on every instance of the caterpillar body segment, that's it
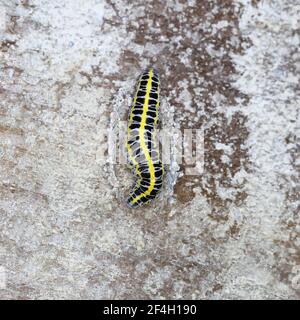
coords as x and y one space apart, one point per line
142 148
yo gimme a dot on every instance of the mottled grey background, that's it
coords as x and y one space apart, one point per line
68 70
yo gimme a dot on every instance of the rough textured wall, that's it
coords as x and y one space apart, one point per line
68 70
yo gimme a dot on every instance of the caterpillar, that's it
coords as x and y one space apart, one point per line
142 148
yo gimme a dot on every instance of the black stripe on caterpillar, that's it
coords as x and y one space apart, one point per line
142 147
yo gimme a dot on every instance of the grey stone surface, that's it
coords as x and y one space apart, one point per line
68 70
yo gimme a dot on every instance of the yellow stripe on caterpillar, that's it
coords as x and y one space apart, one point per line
142 123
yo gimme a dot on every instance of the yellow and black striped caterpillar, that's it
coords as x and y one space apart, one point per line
143 150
